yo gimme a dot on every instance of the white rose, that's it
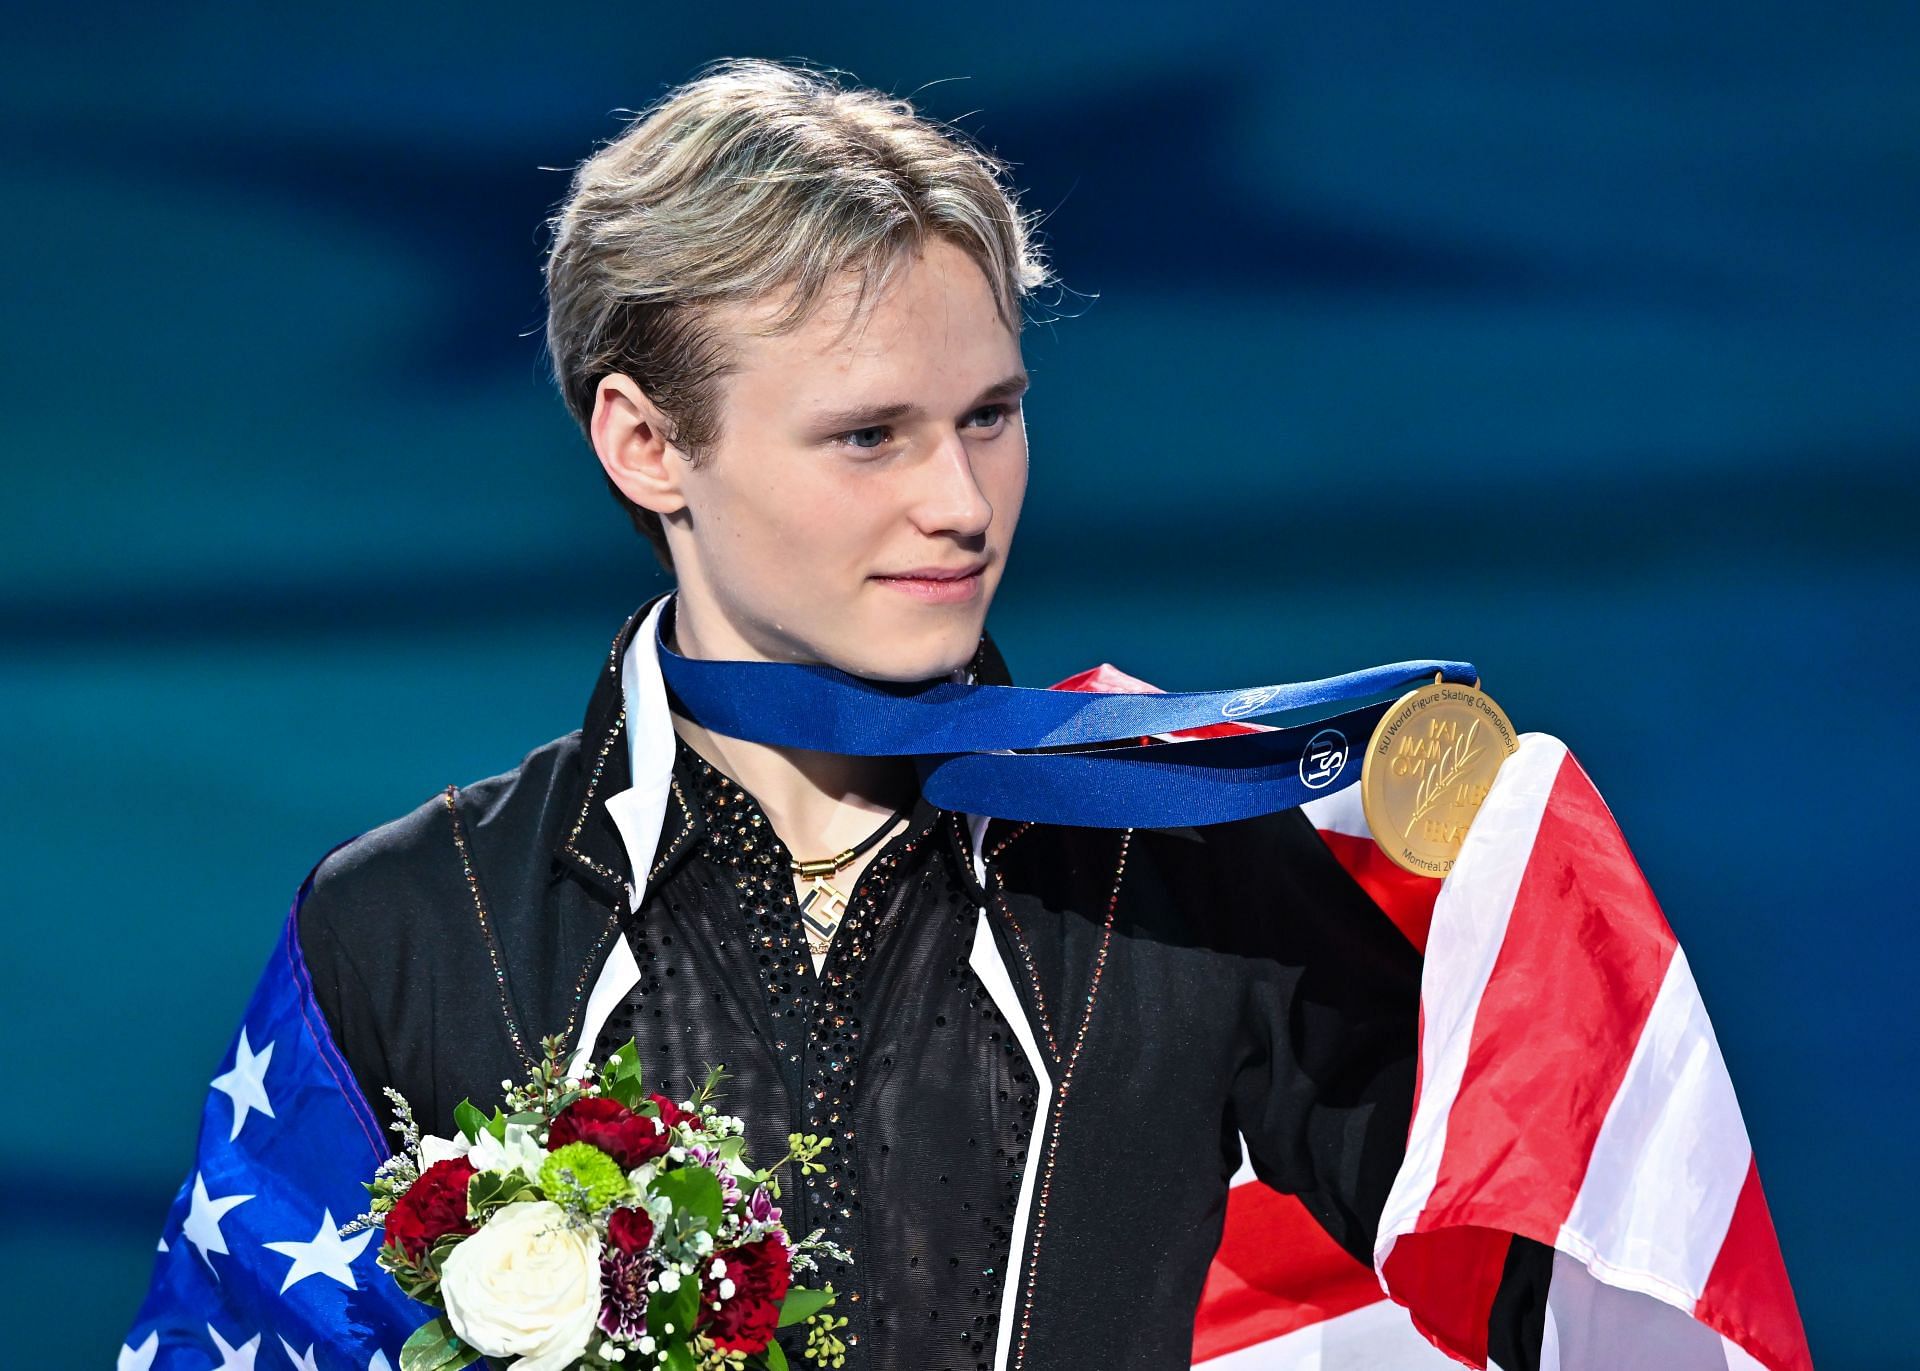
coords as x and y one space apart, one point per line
436 1149
526 1284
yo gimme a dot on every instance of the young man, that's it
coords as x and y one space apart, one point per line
787 318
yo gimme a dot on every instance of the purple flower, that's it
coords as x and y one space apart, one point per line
710 1158
624 1268
623 1291
761 1208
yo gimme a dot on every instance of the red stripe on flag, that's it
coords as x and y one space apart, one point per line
1585 951
1448 1281
1406 897
1748 1297
1276 1270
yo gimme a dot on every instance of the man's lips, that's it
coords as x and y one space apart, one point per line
934 573
938 585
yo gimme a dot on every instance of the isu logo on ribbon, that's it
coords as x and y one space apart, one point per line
1248 702
1324 759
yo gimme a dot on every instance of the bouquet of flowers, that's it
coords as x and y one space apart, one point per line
598 1226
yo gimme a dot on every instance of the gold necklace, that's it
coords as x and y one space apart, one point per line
824 902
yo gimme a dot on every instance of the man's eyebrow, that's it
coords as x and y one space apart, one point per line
860 416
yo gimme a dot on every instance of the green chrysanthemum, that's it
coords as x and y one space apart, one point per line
584 1171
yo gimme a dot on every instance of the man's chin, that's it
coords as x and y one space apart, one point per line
900 671
910 652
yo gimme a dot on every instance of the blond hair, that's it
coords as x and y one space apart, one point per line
753 177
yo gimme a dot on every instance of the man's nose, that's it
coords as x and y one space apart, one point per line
950 499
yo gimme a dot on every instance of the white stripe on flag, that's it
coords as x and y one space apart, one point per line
1591 1326
1340 812
1243 1173
1469 925
1670 1159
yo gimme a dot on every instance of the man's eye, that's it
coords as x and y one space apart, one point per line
995 414
847 438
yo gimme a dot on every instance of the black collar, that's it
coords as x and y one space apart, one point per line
589 843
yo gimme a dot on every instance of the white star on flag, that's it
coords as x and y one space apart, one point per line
235 1358
202 1227
328 1254
302 1363
245 1084
139 1358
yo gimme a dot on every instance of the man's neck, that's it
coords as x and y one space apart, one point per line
818 802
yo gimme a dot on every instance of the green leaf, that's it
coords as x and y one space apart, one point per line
776 1357
680 1359
680 1309
483 1189
488 1190
694 1190
434 1346
625 1082
436 1256
802 1303
469 1120
497 1125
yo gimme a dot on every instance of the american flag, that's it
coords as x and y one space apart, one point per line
252 1270
1569 1090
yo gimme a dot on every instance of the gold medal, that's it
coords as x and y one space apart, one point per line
1429 764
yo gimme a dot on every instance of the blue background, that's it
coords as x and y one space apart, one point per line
1579 345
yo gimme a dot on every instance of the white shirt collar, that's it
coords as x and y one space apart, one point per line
640 811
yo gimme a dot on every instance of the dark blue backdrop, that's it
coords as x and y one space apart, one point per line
1578 344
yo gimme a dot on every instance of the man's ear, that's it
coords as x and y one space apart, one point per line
631 439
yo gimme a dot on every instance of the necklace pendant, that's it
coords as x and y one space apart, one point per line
820 911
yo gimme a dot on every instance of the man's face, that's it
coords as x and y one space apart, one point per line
822 525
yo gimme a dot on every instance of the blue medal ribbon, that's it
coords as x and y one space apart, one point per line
978 748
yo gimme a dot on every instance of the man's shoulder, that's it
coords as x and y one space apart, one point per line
379 888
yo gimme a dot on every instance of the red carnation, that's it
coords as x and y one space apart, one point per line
761 1272
629 1230
627 1137
671 1113
434 1206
